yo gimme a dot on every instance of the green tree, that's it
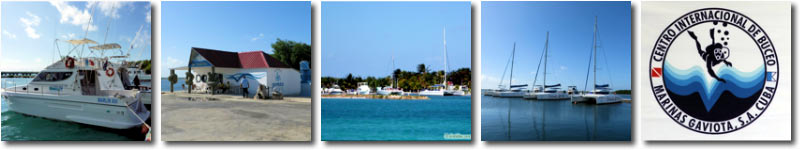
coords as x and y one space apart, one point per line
291 52
422 69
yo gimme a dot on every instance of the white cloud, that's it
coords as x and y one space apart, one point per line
72 15
563 67
68 36
260 36
173 62
109 8
148 17
9 34
29 23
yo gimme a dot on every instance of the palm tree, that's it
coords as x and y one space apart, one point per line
422 69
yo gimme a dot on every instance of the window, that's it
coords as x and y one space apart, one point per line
52 76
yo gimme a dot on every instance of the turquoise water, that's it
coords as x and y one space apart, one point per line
177 86
18 127
553 120
396 120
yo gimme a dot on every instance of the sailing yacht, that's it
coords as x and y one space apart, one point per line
391 90
514 91
88 90
440 90
550 92
602 93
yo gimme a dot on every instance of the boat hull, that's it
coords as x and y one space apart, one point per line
80 109
510 94
599 98
436 93
547 96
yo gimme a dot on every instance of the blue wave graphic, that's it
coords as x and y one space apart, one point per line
694 80
238 76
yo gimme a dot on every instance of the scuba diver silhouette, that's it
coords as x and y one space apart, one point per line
714 54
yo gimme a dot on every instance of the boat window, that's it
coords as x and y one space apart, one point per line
52 76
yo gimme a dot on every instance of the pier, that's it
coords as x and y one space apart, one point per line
19 74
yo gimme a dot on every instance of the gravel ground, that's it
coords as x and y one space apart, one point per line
188 117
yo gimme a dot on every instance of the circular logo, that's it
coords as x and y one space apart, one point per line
713 71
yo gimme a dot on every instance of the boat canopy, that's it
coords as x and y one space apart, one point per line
81 41
554 85
106 46
601 85
521 85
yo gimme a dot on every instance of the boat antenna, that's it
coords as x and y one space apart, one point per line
108 27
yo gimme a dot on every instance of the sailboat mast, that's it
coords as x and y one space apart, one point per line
594 46
546 47
511 77
444 38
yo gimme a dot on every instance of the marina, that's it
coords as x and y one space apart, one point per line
548 120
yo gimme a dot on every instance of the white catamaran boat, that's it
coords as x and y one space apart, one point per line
602 93
514 91
90 91
550 92
440 90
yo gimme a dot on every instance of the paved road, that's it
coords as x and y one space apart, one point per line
204 119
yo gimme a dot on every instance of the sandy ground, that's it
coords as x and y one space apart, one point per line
193 117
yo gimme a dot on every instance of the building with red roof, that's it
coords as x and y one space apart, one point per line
255 67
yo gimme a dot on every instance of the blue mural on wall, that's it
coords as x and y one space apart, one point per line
238 76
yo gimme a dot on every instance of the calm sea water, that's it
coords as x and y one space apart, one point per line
18 127
398 120
553 120
177 86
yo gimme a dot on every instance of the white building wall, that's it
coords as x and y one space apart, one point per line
285 80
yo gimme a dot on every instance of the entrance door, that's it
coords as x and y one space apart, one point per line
88 82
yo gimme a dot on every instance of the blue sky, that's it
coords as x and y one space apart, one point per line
571 26
230 26
361 37
29 30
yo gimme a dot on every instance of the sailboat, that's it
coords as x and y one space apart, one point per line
549 92
514 91
601 94
390 90
440 89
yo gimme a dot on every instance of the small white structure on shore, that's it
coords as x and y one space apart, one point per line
258 67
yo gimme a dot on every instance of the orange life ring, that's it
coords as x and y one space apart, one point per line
110 73
70 62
